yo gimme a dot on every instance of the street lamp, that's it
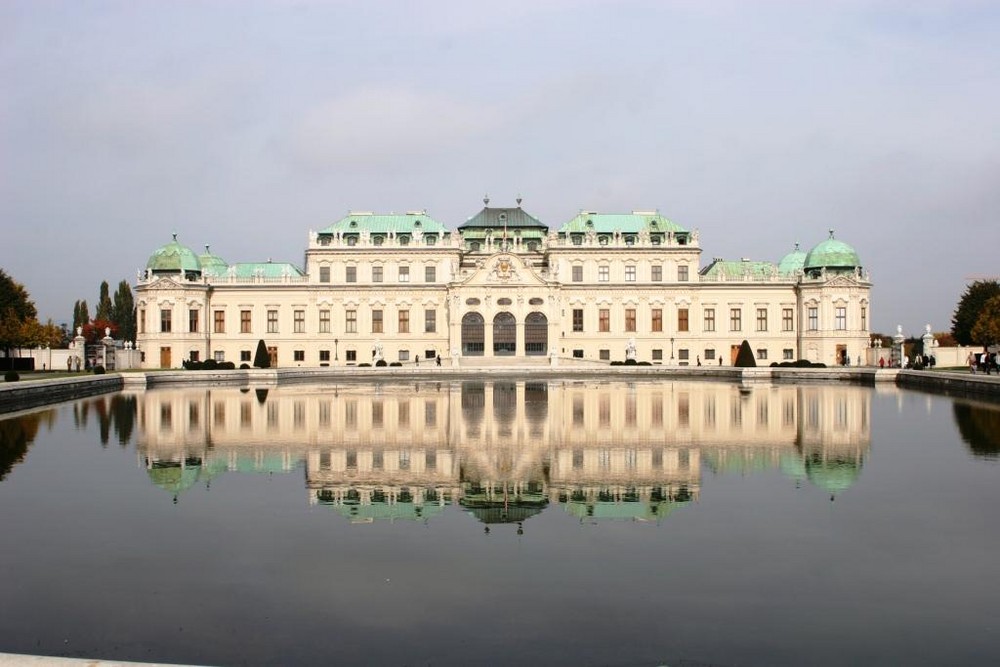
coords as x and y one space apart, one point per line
335 356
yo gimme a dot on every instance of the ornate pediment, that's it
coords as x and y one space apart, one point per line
842 281
164 283
504 269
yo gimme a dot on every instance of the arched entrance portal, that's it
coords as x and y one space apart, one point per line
536 334
473 335
504 335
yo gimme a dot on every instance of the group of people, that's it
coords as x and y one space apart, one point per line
984 362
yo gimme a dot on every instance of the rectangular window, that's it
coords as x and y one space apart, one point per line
603 273
350 321
377 321
657 319
762 354
351 356
351 275
604 355
864 318
709 354
656 273
629 273
193 321
578 319
630 319
299 321
682 273
683 355
219 356
604 320
788 354
841 318
404 355
710 319
787 320
578 273
220 321
762 319
244 355
657 354
735 319
404 321
272 321
430 321
813 318
142 320
430 274
244 321
324 274
376 274
324 321
299 355
324 355
404 274
165 320
578 354
682 319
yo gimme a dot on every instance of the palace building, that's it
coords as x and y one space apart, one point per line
406 288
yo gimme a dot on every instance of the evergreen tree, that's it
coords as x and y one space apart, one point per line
84 315
17 314
104 303
123 311
262 359
969 307
745 358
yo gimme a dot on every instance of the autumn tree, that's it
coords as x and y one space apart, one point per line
986 330
17 314
970 306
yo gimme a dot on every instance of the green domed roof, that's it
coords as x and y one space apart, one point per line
174 257
792 262
833 475
832 254
212 264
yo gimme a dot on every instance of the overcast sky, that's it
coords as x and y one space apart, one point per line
245 124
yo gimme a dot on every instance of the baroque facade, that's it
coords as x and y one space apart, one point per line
601 287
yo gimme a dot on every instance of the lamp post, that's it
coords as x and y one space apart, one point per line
336 357
671 350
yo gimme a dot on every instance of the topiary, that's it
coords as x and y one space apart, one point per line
11 376
381 362
227 366
99 370
262 359
395 363
631 362
745 358
616 363
244 367
209 365
366 365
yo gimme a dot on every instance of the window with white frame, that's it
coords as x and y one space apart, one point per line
603 273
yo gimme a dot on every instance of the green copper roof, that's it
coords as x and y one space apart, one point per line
173 257
498 218
739 270
173 477
792 262
626 223
832 254
383 224
265 269
833 475
212 264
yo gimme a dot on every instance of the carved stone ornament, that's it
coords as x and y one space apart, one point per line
503 270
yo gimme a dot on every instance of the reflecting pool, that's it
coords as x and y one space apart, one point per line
552 522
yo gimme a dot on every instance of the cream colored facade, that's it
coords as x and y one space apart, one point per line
402 287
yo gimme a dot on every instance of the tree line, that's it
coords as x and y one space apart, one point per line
116 314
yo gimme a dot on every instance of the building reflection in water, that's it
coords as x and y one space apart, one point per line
504 451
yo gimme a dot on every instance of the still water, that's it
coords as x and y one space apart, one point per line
554 522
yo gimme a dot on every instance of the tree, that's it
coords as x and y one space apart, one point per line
81 314
17 313
745 358
986 330
262 359
103 303
970 306
123 311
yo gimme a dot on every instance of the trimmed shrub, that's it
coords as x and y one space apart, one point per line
365 365
616 363
645 363
381 362
631 362
227 366
745 358
11 376
209 365
261 359
244 366
395 363
99 370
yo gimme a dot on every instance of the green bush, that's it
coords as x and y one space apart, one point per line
364 365
227 366
244 367
11 376
745 358
395 363
616 363
381 362
209 365
631 362
261 359
99 370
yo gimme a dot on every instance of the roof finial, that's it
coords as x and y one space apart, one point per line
831 232
796 246
486 199
519 200
207 251
175 237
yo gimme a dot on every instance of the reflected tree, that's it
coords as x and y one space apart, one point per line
15 436
980 429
